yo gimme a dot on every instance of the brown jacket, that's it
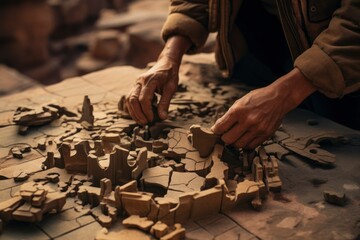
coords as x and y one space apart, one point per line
323 36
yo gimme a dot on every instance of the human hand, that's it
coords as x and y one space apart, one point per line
162 78
255 117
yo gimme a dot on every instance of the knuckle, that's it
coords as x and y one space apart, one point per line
143 100
251 120
231 113
142 78
133 99
264 130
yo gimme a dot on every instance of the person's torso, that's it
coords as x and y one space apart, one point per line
302 21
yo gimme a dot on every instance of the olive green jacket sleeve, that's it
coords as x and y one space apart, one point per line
188 18
332 63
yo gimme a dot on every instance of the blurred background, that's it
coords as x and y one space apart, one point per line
46 41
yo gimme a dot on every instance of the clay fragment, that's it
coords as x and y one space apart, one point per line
177 234
335 198
159 229
20 176
36 117
138 222
203 140
16 153
87 116
32 203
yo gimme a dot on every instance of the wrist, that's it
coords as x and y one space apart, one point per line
294 87
175 48
169 60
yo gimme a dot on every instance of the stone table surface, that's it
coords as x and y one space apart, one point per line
299 212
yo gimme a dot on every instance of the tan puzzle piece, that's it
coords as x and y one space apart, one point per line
135 221
203 140
87 116
177 234
219 169
159 229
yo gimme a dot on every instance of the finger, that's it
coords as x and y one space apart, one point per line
256 142
135 105
245 139
233 134
132 114
164 102
223 124
129 108
145 97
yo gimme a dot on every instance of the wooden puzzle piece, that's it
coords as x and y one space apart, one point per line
312 152
156 179
194 163
119 170
75 161
277 150
141 163
270 169
136 203
183 182
159 229
258 173
35 117
203 140
206 202
219 169
33 202
87 117
176 234
179 145
335 198
134 221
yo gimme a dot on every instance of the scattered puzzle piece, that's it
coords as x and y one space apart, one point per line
156 179
159 229
135 221
177 233
203 140
87 116
335 198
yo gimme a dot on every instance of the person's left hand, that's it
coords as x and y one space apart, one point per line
252 119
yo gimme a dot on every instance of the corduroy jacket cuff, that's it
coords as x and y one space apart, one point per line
322 71
181 24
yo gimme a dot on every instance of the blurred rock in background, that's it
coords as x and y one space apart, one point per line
11 81
50 40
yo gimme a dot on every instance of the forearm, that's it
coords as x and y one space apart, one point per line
294 87
175 48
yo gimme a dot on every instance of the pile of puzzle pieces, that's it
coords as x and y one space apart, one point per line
152 178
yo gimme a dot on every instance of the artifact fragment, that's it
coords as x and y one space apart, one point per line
335 198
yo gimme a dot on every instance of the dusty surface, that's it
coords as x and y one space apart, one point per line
298 212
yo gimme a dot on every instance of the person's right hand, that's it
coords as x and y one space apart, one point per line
162 78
